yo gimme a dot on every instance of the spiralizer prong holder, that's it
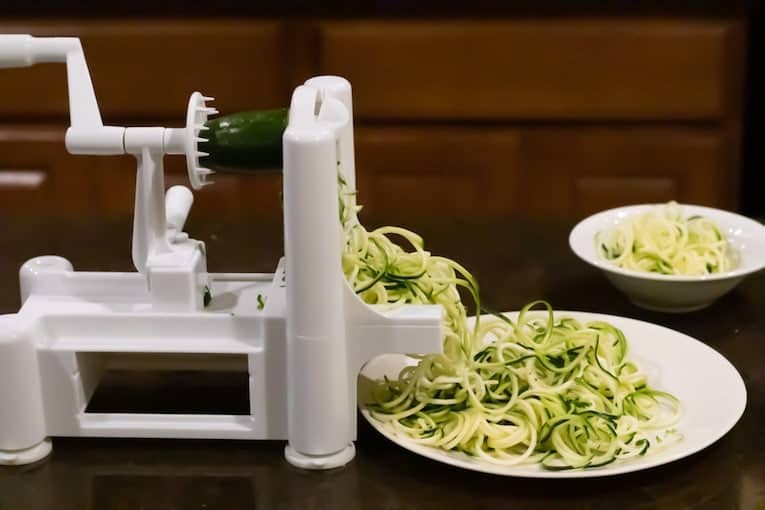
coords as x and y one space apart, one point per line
303 349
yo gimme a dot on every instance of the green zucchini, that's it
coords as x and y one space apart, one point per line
245 142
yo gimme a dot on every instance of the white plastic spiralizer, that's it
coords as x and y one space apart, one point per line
303 348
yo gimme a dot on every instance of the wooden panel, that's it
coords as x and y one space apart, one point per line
532 69
436 171
433 171
592 194
539 172
231 197
236 197
148 68
576 171
39 178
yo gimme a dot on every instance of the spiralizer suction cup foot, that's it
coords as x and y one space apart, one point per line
27 455
331 461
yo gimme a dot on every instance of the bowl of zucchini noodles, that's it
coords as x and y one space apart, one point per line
671 257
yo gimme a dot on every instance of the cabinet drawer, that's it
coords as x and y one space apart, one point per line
404 173
577 171
534 69
235 197
38 178
436 171
148 68
537 172
231 197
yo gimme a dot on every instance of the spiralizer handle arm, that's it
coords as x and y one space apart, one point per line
87 134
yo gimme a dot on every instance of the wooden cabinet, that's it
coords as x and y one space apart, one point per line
437 171
479 117
531 69
143 72
231 197
146 69
582 170
534 171
39 178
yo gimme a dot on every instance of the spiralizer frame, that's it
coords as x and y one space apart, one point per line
303 348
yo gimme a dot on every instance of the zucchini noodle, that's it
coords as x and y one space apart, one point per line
663 241
539 389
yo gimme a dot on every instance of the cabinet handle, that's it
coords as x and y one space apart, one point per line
28 179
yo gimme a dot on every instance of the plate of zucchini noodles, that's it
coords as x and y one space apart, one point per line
535 393
593 395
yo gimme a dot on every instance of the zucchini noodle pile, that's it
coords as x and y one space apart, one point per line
537 389
663 241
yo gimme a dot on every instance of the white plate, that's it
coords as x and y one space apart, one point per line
712 393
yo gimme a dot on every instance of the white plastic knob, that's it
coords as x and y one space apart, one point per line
178 201
16 50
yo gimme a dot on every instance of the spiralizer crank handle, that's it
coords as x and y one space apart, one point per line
25 50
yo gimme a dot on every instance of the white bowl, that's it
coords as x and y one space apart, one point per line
674 293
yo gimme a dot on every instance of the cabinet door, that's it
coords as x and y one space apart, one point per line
146 69
436 171
535 68
38 178
231 197
577 171
539 172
